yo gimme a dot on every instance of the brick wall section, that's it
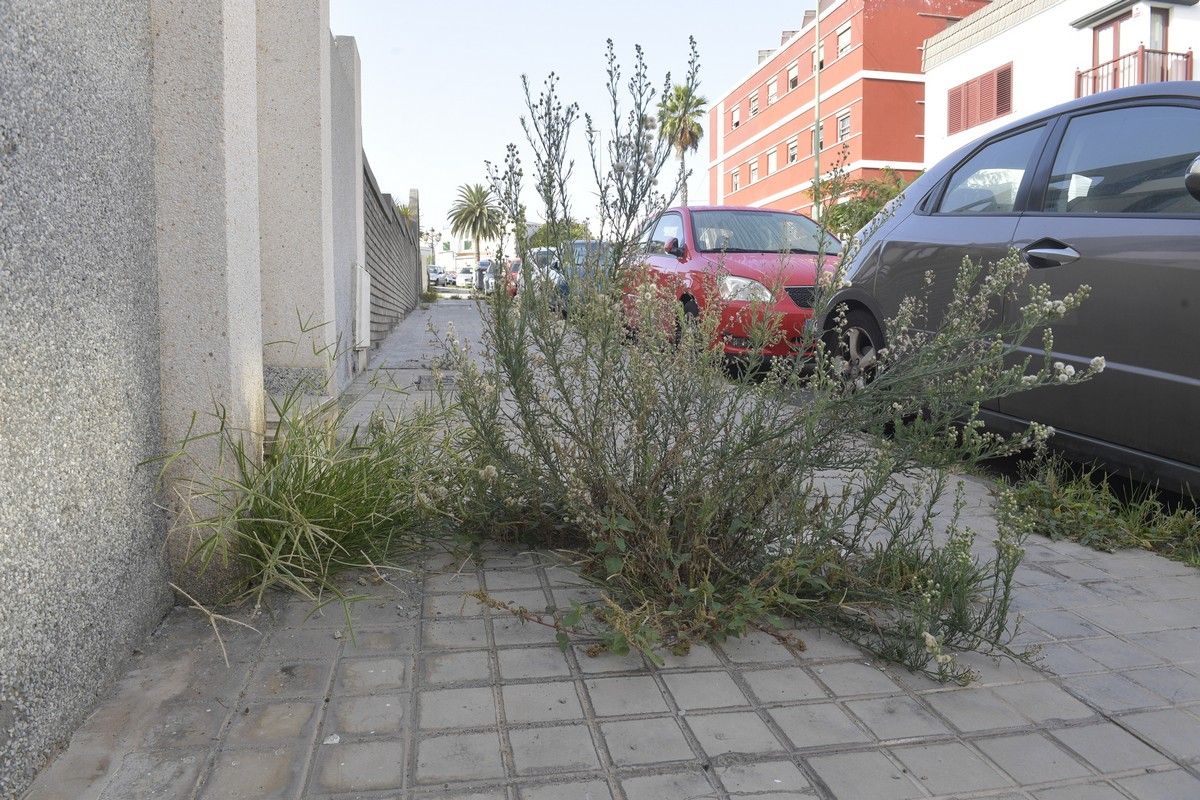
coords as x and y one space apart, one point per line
392 259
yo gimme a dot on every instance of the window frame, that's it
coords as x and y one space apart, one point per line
848 30
735 117
793 82
754 107
772 161
772 91
682 237
934 206
754 170
846 118
793 150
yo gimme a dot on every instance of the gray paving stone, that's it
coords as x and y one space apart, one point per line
781 685
660 787
646 741
359 766
458 666
698 656
696 690
1043 702
153 776
541 702
607 662
625 695
393 641
183 725
370 714
1110 748
1062 659
854 678
1115 653
275 723
1063 624
779 780
979 709
821 645
456 582
1111 692
818 725
509 630
1031 758
1082 791
562 748
532 662
503 580
459 757
864 776
949 768
363 675
466 634
457 708
1119 618
1180 646
533 600
735 732
290 679
1172 785
301 645
586 790
449 606
756 647
1173 730
252 775
897 717
1171 683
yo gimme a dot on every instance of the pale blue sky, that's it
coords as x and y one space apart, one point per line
441 80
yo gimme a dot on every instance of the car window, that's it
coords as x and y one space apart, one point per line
670 226
1126 161
741 231
987 183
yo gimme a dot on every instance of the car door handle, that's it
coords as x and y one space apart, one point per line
1044 254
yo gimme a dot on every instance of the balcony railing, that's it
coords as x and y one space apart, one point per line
1132 69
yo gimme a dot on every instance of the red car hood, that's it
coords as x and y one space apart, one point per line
770 269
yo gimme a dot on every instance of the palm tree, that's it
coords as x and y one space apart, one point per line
679 116
475 214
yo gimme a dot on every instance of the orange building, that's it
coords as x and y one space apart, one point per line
761 138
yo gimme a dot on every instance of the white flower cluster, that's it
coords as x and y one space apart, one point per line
1063 372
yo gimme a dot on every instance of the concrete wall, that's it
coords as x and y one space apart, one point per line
81 565
391 257
349 251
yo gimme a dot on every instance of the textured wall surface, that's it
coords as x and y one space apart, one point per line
346 120
392 260
81 573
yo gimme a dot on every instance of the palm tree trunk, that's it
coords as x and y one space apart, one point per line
683 172
477 257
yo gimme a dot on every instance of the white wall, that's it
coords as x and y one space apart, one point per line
1045 51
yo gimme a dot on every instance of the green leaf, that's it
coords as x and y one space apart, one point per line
613 565
563 641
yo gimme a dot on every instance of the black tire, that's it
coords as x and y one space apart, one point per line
853 349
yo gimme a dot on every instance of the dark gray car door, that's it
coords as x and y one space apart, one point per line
1112 212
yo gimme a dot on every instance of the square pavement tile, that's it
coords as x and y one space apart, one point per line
638 694
778 780
973 710
464 634
533 662
1062 659
1172 683
818 725
646 741
541 702
359 766
1063 624
442 606
253 775
695 690
371 715
267 724
949 768
508 630
1043 702
562 748
460 666
698 656
1116 653
1111 692
587 790
737 732
607 662
459 757
504 580
1110 748
756 647
1084 791
1172 730
853 678
290 679
1031 758
864 776
369 675
786 684
1173 785
897 717
161 776
660 787
457 708
454 582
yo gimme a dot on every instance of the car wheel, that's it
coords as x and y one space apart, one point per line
854 348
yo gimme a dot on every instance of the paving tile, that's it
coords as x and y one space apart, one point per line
290 679
587 790
949 768
756 647
818 725
1119 618
864 776
1173 785
736 732
991 671
778 780
363 675
699 655
637 694
456 666
454 634
696 690
503 580
821 645
456 582
787 684
457 708
1172 730
1031 758
1063 624
607 662
508 629
532 662
370 714
1109 748
359 766
897 717
1111 692
541 702
645 741
1115 653
459 757
276 723
562 748
854 678
150 776
1180 646
252 775
441 606
1043 702
1082 791
184 725
301 645
660 787
1171 683
1062 659
978 709
391 641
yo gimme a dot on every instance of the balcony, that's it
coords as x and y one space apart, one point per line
1133 69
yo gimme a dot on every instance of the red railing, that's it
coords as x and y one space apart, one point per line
1132 69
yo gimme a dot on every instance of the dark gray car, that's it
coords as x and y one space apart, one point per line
1095 191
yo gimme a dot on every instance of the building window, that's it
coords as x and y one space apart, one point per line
735 180
793 76
772 91
818 138
753 103
843 126
979 100
844 42
754 170
772 161
735 116
466 244
793 151
819 57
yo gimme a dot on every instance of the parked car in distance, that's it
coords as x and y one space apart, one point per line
437 276
744 256
465 279
1103 191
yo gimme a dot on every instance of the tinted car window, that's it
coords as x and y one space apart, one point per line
670 226
733 231
1126 161
987 183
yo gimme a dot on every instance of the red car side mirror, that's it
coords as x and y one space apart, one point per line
673 248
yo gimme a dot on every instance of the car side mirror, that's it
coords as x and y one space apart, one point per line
673 248
1192 179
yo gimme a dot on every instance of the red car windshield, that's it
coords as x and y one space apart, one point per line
736 231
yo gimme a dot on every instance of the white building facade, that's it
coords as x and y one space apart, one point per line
1013 58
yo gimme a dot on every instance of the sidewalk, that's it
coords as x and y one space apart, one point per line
434 696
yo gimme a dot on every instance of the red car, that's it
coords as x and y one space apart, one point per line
748 258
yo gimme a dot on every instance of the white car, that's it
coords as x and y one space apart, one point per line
437 277
465 278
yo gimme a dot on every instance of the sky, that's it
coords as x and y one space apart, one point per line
442 80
